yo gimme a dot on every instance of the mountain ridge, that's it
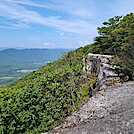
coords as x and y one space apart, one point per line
44 98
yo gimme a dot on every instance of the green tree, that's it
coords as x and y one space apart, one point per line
116 38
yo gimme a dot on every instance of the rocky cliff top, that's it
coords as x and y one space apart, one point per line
102 67
110 111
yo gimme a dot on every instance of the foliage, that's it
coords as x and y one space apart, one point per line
41 100
117 38
84 88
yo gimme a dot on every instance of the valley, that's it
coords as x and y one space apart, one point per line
16 63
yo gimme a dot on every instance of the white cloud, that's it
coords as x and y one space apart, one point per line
14 11
48 44
79 19
77 8
73 19
33 3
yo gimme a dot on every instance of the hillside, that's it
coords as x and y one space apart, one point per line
43 99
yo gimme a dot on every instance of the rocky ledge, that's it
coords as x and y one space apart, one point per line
110 111
102 66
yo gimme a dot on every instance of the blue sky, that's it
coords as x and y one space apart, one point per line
55 23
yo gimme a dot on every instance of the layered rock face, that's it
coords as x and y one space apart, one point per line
101 66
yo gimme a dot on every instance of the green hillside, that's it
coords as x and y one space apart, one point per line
43 99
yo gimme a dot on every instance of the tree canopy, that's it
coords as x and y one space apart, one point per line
116 37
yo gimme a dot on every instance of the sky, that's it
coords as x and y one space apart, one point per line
55 23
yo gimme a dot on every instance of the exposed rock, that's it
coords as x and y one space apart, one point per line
110 111
101 66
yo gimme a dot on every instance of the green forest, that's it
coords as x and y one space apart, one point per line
41 100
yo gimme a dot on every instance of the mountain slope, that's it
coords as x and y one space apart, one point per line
43 99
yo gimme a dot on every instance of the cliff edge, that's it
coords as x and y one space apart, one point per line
110 111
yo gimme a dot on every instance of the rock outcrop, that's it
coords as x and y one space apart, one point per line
109 109
101 66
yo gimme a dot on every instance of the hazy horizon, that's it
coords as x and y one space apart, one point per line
24 48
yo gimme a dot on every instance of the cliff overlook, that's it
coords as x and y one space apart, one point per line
110 108
42 100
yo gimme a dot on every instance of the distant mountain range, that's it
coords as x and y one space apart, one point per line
29 55
15 63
